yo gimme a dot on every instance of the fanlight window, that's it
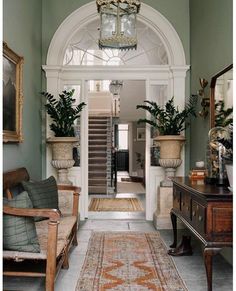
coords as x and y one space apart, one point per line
83 49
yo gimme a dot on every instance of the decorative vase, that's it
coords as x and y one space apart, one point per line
170 155
62 156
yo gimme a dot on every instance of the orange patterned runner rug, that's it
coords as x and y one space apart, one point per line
128 261
115 204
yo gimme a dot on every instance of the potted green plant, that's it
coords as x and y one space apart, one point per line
169 122
63 114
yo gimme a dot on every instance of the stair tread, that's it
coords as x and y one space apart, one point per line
98 134
97 129
100 186
94 158
96 137
97 187
101 136
99 145
94 173
99 117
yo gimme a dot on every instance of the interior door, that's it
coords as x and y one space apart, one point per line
123 160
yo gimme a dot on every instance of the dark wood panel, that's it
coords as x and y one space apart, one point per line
185 204
222 219
176 198
198 217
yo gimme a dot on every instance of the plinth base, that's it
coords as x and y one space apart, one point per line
161 222
161 217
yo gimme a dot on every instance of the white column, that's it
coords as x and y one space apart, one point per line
149 196
84 152
179 84
53 85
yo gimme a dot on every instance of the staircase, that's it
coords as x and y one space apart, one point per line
99 154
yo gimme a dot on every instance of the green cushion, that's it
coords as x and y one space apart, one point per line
19 232
43 194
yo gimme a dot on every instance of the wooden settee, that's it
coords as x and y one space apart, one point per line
56 234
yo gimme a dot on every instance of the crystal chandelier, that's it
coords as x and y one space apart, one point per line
118 23
115 87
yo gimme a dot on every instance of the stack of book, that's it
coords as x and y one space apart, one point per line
198 174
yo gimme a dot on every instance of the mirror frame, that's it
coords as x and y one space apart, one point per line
212 96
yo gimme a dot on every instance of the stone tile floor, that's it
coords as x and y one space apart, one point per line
190 268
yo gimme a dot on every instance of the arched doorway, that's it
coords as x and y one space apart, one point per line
163 67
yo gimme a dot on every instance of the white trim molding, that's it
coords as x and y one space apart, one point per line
173 75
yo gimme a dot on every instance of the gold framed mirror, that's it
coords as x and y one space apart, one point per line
221 98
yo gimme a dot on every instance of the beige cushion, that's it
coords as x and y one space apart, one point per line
64 230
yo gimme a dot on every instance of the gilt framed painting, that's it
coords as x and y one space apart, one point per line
12 95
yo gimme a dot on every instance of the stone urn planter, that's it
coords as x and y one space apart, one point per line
170 155
64 114
62 156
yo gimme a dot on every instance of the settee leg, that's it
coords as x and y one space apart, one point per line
65 264
51 255
75 241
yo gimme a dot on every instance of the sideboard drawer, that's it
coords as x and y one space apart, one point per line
220 222
198 217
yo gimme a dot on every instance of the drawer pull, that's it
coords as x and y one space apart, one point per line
200 218
194 213
183 203
187 208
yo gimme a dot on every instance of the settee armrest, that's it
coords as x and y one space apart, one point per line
76 193
52 214
75 189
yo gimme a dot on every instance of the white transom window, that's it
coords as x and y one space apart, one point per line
83 49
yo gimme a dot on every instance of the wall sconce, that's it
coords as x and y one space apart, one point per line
205 101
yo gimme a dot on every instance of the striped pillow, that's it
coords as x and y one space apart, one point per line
19 232
43 194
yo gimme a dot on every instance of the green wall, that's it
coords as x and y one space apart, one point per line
22 22
211 40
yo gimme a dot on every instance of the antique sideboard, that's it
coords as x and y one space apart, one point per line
207 211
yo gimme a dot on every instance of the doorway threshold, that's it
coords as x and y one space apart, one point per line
117 215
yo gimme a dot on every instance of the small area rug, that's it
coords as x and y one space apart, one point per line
133 261
115 204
